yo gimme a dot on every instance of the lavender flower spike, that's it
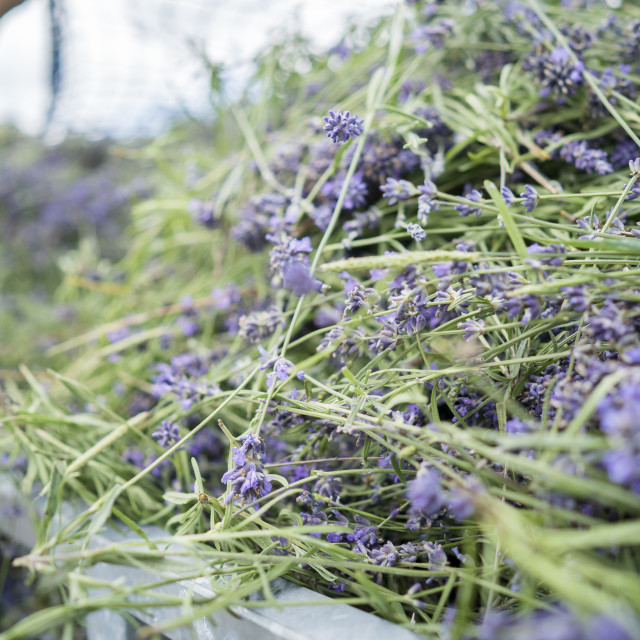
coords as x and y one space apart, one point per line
531 197
466 209
281 366
248 479
395 190
507 195
167 433
425 492
416 232
342 126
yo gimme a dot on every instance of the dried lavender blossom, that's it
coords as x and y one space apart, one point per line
248 480
342 126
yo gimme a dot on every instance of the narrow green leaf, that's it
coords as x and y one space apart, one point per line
509 222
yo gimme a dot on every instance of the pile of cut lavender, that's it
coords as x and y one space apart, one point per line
379 336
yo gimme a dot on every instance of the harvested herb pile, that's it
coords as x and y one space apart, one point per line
383 340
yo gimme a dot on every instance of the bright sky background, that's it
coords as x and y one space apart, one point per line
130 62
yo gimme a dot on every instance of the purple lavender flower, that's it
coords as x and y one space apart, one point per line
555 624
507 195
297 278
395 190
632 356
445 270
620 154
525 19
385 338
416 232
530 196
532 306
609 324
226 297
136 458
355 196
203 213
260 324
167 433
263 214
409 552
248 480
547 138
382 159
329 487
460 500
630 41
342 126
412 314
437 556
188 326
316 517
472 328
378 274
604 626
385 556
634 193
184 379
610 84
557 74
425 202
341 50
460 505
357 297
515 426
622 466
425 492
466 209
585 158
590 223
432 35
321 215
555 251
618 413
364 533
359 223
286 250
580 40
281 366
118 334
472 407
409 89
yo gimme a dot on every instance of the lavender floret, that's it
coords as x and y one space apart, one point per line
281 366
466 209
507 195
394 190
472 328
531 197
